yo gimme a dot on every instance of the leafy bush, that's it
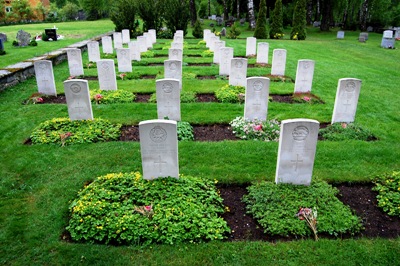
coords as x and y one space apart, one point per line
255 129
126 209
185 131
230 94
117 96
202 43
197 30
299 21
276 30
207 53
261 30
233 32
344 131
65 132
147 54
388 187
275 207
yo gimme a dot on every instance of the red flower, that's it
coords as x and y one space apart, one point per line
257 127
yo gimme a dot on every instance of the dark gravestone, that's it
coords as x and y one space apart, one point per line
1 45
51 34
3 37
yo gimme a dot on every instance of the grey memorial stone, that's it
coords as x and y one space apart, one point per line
168 99
1 45
93 51
340 35
387 39
124 60
296 152
278 62
45 77
106 74
256 99
206 33
75 62
159 148
226 55
346 100
106 42
223 32
251 46
23 38
262 53
364 35
78 99
3 37
304 76
238 72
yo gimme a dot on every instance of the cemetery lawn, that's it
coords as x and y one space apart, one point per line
39 182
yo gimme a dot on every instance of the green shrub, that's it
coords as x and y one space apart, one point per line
275 207
255 129
261 31
185 131
63 131
197 30
230 94
299 21
147 54
124 208
276 30
344 131
233 32
106 97
388 187
207 53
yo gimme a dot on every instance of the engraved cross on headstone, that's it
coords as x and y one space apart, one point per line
160 163
296 162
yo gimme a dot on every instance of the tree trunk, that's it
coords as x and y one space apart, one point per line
226 16
193 13
237 9
327 14
252 19
364 15
309 12
209 7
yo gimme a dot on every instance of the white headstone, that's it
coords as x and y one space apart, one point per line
106 42
217 51
278 62
78 99
178 38
75 61
256 99
179 33
296 153
134 51
346 100
387 39
388 34
340 34
106 74
175 54
117 40
251 46
173 70
93 51
45 77
226 55
213 39
149 40
208 40
238 72
159 148
205 34
126 37
168 99
304 76
262 53
153 35
142 43
124 60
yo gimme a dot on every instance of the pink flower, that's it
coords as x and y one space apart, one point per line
344 125
148 208
98 96
257 127
122 76
307 99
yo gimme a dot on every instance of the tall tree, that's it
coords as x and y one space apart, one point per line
123 15
176 15
93 8
299 21
276 31
193 12
150 11
252 18
326 14
261 31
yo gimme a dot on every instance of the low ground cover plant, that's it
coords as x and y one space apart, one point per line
346 131
388 187
106 97
185 131
230 94
186 97
276 207
124 208
267 130
63 131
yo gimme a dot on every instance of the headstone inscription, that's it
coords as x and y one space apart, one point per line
226 55
262 53
106 74
124 60
278 62
340 35
23 38
304 76
177 45
256 99
126 37
238 72
134 51
93 51
51 34
106 42
175 54
296 152
251 46
75 61
346 100
45 77
78 99
159 148
173 70
217 53
168 99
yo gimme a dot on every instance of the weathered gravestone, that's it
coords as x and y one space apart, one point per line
304 76
124 60
363 37
238 72
142 43
226 55
346 100
387 39
168 99
106 74
340 35
3 37
175 54
217 52
1 45
75 61
278 62
223 32
256 99
78 99
106 42
23 38
117 40
296 152
251 46
45 77
173 70
51 34
262 53
126 37
93 51
159 148
134 51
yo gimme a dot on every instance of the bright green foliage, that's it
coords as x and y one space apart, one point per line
275 207
344 131
70 11
230 94
81 131
207 53
388 187
147 54
94 8
106 97
21 10
150 11
123 14
299 21
197 30
185 131
276 29
182 210
186 97
261 31
255 129
233 32
176 15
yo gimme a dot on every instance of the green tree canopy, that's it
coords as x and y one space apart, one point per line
261 31
299 21
123 15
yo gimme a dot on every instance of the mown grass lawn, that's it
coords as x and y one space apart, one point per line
38 182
